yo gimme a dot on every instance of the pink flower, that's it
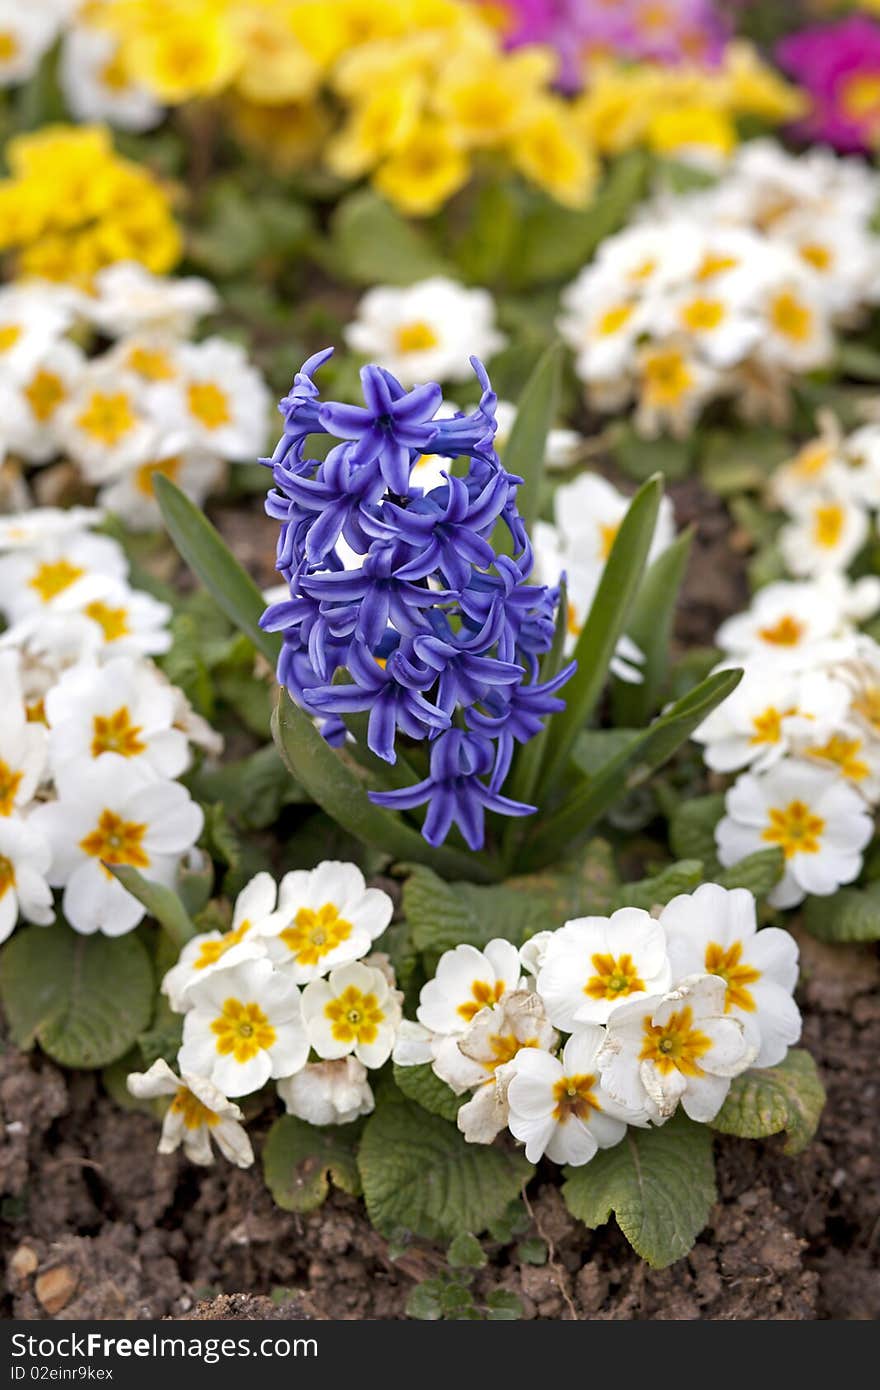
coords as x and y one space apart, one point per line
664 31
839 67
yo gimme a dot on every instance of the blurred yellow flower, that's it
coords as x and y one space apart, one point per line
428 169
550 152
71 206
685 129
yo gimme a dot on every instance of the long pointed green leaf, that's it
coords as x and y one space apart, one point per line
632 766
208 555
650 627
527 445
339 792
601 631
159 901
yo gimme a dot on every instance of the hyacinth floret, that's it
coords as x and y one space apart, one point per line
404 604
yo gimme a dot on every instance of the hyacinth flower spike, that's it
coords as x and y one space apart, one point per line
400 606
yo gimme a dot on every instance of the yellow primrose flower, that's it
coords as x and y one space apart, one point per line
425 172
752 88
614 111
686 128
288 137
486 100
376 128
181 51
327 31
550 152
275 66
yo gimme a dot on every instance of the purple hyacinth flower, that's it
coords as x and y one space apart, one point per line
388 427
454 791
446 529
365 601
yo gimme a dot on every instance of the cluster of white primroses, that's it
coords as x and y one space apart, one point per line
93 737
802 731
830 493
95 83
728 292
607 1022
294 978
152 401
587 515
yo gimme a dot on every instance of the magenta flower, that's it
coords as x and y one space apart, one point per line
664 31
838 65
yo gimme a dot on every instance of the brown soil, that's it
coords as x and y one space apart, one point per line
96 1225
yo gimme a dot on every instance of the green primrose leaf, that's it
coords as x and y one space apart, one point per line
372 244
682 877
443 915
466 1252
422 1085
210 558
419 1174
692 830
659 1183
605 623
851 915
525 449
759 872
84 999
767 1100
299 1161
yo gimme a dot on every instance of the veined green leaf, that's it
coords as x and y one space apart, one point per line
660 1184
605 623
650 627
208 555
159 901
765 1101
338 791
629 769
852 914
525 449
300 1159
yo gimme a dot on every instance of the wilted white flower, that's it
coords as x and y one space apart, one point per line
673 1047
198 1113
465 981
328 1093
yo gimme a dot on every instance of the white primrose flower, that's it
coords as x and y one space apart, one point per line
328 1093
124 707
465 981
105 422
714 930
603 332
219 398
108 812
32 319
825 533
717 318
860 452
790 624
581 585
325 917
821 824
771 713
795 326
477 1059
124 621
35 578
216 950
673 1047
673 385
559 1107
588 514
353 1010
26 33
533 952
96 85
244 1026
591 964
128 299
23 743
131 497
39 398
817 465
198 1113
27 530
24 863
426 332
